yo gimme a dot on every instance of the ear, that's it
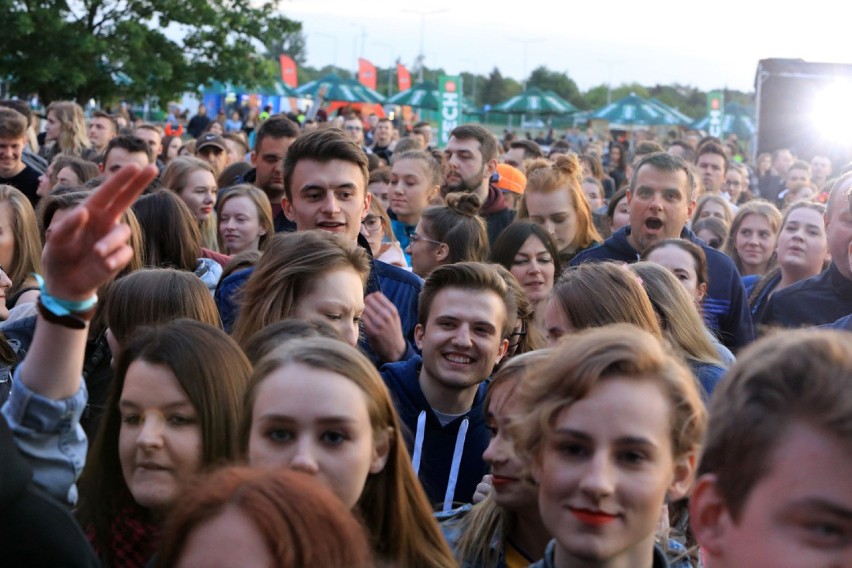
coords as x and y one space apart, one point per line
708 516
629 196
419 334
254 158
432 193
690 208
684 472
442 253
702 290
368 197
501 351
287 207
381 449
101 167
490 168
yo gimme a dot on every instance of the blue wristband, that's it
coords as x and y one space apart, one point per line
60 307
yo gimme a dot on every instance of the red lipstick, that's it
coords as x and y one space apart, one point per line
593 518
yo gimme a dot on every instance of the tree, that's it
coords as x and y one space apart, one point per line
82 49
494 90
559 83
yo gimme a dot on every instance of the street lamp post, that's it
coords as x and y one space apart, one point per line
423 14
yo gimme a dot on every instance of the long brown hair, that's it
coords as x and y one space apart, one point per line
27 252
210 368
393 505
288 269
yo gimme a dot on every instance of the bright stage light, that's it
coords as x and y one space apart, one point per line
832 113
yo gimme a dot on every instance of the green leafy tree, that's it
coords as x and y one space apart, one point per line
494 90
63 49
559 83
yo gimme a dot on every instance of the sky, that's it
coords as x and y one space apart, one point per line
710 45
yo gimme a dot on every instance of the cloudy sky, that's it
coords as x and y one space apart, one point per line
707 45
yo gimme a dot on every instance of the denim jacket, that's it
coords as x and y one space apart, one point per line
49 436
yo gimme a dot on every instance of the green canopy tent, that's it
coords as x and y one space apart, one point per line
738 119
426 95
631 111
342 90
536 102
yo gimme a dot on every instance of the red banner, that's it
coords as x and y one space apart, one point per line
367 73
403 78
288 71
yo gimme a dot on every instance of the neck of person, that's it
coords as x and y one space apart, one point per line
640 555
12 172
752 270
791 276
447 400
528 533
410 220
482 190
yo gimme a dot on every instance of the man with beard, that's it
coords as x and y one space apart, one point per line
470 163
382 138
661 198
271 143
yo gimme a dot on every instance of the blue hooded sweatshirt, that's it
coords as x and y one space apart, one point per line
447 459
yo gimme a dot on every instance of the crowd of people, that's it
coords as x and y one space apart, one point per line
336 344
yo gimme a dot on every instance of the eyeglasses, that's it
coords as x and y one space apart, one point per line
513 343
353 128
414 237
733 183
372 222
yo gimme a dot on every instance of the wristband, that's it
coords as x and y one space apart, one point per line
77 320
59 307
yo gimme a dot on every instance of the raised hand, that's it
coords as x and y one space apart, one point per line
89 246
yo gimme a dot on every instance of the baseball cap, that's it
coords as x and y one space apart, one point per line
211 140
511 179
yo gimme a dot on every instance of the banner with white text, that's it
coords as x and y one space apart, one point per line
450 87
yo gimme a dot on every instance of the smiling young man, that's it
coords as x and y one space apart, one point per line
13 171
661 198
774 487
466 315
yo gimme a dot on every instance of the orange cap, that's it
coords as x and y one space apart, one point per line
511 179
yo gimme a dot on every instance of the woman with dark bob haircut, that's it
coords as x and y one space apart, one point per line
528 251
263 517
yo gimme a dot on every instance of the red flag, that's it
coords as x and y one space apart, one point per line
367 73
403 78
288 71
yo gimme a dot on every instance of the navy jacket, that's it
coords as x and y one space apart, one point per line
725 307
818 300
450 457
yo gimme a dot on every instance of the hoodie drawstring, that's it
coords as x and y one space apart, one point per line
454 468
418 441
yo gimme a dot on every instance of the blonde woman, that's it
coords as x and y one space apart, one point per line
65 132
244 219
195 183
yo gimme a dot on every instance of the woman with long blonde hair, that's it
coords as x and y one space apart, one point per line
66 129
195 183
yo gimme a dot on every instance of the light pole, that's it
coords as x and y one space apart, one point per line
423 14
525 43
389 47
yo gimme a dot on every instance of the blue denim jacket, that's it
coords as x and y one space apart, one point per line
49 436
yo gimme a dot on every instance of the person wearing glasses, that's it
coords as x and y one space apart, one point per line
448 234
376 229
354 130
